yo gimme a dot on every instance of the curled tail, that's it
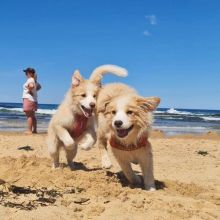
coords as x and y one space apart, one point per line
100 71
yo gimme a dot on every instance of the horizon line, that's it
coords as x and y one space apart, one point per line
157 108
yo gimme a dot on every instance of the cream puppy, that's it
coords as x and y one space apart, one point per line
73 122
124 121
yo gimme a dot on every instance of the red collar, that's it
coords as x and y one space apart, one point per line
79 126
142 142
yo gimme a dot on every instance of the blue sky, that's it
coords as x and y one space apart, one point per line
171 49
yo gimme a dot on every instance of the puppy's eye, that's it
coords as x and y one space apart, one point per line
94 96
129 112
83 95
113 112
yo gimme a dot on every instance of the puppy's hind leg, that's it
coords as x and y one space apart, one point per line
53 148
70 155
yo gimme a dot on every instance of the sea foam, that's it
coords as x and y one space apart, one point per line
39 111
174 111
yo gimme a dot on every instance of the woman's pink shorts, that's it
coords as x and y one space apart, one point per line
29 106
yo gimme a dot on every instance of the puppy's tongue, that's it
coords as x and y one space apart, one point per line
87 112
122 132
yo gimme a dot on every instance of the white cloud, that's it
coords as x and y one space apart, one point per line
147 33
152 19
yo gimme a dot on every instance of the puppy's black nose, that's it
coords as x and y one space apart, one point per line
92 105
118 123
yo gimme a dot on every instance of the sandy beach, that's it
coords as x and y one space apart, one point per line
187 173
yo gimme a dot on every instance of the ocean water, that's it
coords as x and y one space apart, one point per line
171 121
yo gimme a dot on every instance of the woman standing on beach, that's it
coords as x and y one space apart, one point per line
30 89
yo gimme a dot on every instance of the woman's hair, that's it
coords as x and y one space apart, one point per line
33 75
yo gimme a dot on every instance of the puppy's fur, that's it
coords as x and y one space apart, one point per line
126 118
73 122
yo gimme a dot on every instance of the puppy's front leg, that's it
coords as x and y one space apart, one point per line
102 144
65 137
128 172
146 163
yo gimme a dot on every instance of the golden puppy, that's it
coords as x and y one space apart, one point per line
124 121
73 122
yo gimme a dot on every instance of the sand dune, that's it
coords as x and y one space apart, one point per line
187 170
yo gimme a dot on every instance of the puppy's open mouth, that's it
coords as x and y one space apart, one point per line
124 132
86 111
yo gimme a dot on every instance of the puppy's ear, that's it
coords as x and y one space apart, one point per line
76 78
103 107
149 103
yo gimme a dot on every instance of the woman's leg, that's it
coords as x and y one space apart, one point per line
29 115
34 125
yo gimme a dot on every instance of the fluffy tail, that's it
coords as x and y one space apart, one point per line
100 71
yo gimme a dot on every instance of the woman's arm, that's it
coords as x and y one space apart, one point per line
30 87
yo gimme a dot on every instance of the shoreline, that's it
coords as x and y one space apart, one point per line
153 134
170 120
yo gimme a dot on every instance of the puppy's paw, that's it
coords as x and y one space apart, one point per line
55 166
106 162
85 146
87 142
151 187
